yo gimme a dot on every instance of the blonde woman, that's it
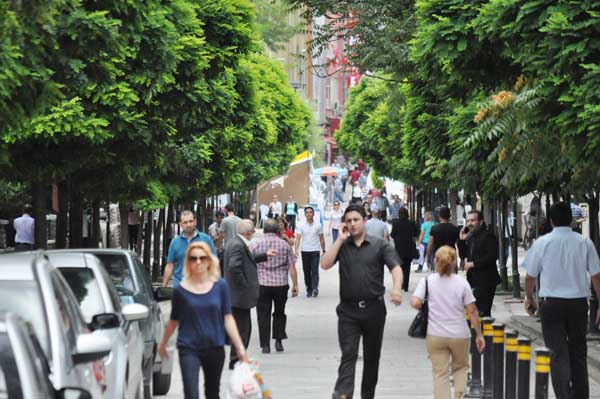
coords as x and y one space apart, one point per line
201 309
448 336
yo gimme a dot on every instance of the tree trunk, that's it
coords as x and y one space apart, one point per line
167 236
108 244
62 217
516 279
94 233
75 216
148 241
453 203
157 243
38 195
503 228
594 207
124 236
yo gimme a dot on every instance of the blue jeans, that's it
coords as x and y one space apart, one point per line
211 361
334 234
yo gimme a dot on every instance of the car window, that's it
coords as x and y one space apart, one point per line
84 285
143 275
117 266
67 319
22 298
10 384
112 291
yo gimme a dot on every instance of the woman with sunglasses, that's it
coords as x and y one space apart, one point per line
335 219
201 308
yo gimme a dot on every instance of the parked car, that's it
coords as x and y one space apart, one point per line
102 310
134 286
36 291
24 372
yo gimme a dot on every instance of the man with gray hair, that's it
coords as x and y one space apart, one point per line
242 278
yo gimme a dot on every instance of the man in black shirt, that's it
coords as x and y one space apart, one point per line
443 233
361 311
480 248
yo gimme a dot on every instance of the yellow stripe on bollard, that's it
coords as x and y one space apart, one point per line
488 330
512 345
542 364
524 352
498 337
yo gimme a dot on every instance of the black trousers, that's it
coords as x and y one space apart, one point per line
22 247
354 323
292 221
211 361
564 325
268 297
484 298
310 266
133 230
406 264
244 325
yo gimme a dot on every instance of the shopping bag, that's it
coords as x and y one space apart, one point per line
243 383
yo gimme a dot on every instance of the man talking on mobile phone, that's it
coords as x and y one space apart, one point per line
361 312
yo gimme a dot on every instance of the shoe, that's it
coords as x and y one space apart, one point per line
278 345
308 294
315 292
266 349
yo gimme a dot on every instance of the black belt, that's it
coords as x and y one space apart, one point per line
364 303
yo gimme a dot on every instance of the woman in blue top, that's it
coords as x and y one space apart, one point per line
201 309
424 239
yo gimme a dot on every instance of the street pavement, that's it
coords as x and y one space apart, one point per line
308 367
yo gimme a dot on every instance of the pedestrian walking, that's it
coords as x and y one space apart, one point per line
335 219
404 234
356 193
216 232
395 206
25 230
377 227
274 286
448 338
229 224
275 207
560 262
285 233
338 193
362 311
480 248
310 242
201 309
380 202
242 278
133 227
443 233
424 238
179 246
291 212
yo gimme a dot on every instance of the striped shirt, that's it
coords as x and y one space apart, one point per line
274 271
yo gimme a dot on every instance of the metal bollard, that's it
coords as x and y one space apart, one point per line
498 356
488 365
512 348
475 387
524 359
542 372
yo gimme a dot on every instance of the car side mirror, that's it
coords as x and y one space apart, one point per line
73 393
104 321
90 347
135 311
163 294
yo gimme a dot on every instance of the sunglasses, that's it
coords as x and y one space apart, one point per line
198 258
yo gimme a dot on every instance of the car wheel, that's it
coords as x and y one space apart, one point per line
162 383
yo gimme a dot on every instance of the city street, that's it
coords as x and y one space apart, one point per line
308 367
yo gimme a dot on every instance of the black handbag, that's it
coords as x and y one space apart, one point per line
418 327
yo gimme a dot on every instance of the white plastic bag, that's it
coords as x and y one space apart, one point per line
243 384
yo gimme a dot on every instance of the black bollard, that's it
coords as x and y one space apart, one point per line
542 372
524 360
512 348
498 356
488 365
475 387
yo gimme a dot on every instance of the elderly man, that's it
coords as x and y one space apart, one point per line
242 278
273 286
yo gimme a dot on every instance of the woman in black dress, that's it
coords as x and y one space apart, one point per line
404 233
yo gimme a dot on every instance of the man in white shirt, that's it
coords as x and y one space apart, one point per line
229 224
275 207
25 230
376 227
311 242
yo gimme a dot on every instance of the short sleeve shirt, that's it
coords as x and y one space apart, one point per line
444 234
448 296
376 228
562 260
362 268
229 226
310 236
177 250
201 317
426 229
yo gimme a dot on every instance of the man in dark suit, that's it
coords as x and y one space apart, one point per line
480 248
241 276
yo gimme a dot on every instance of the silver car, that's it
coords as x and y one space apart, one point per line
33 289
102 310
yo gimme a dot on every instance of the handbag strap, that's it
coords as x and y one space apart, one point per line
426 289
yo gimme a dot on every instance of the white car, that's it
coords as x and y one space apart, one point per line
33 289
104 313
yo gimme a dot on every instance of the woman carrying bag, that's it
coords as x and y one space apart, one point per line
448 335
201 309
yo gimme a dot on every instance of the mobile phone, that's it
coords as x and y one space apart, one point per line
465 229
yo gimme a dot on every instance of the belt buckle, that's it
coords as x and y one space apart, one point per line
362 304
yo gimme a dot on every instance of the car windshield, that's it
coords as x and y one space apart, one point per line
84 285
22 298
117 266
10 385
